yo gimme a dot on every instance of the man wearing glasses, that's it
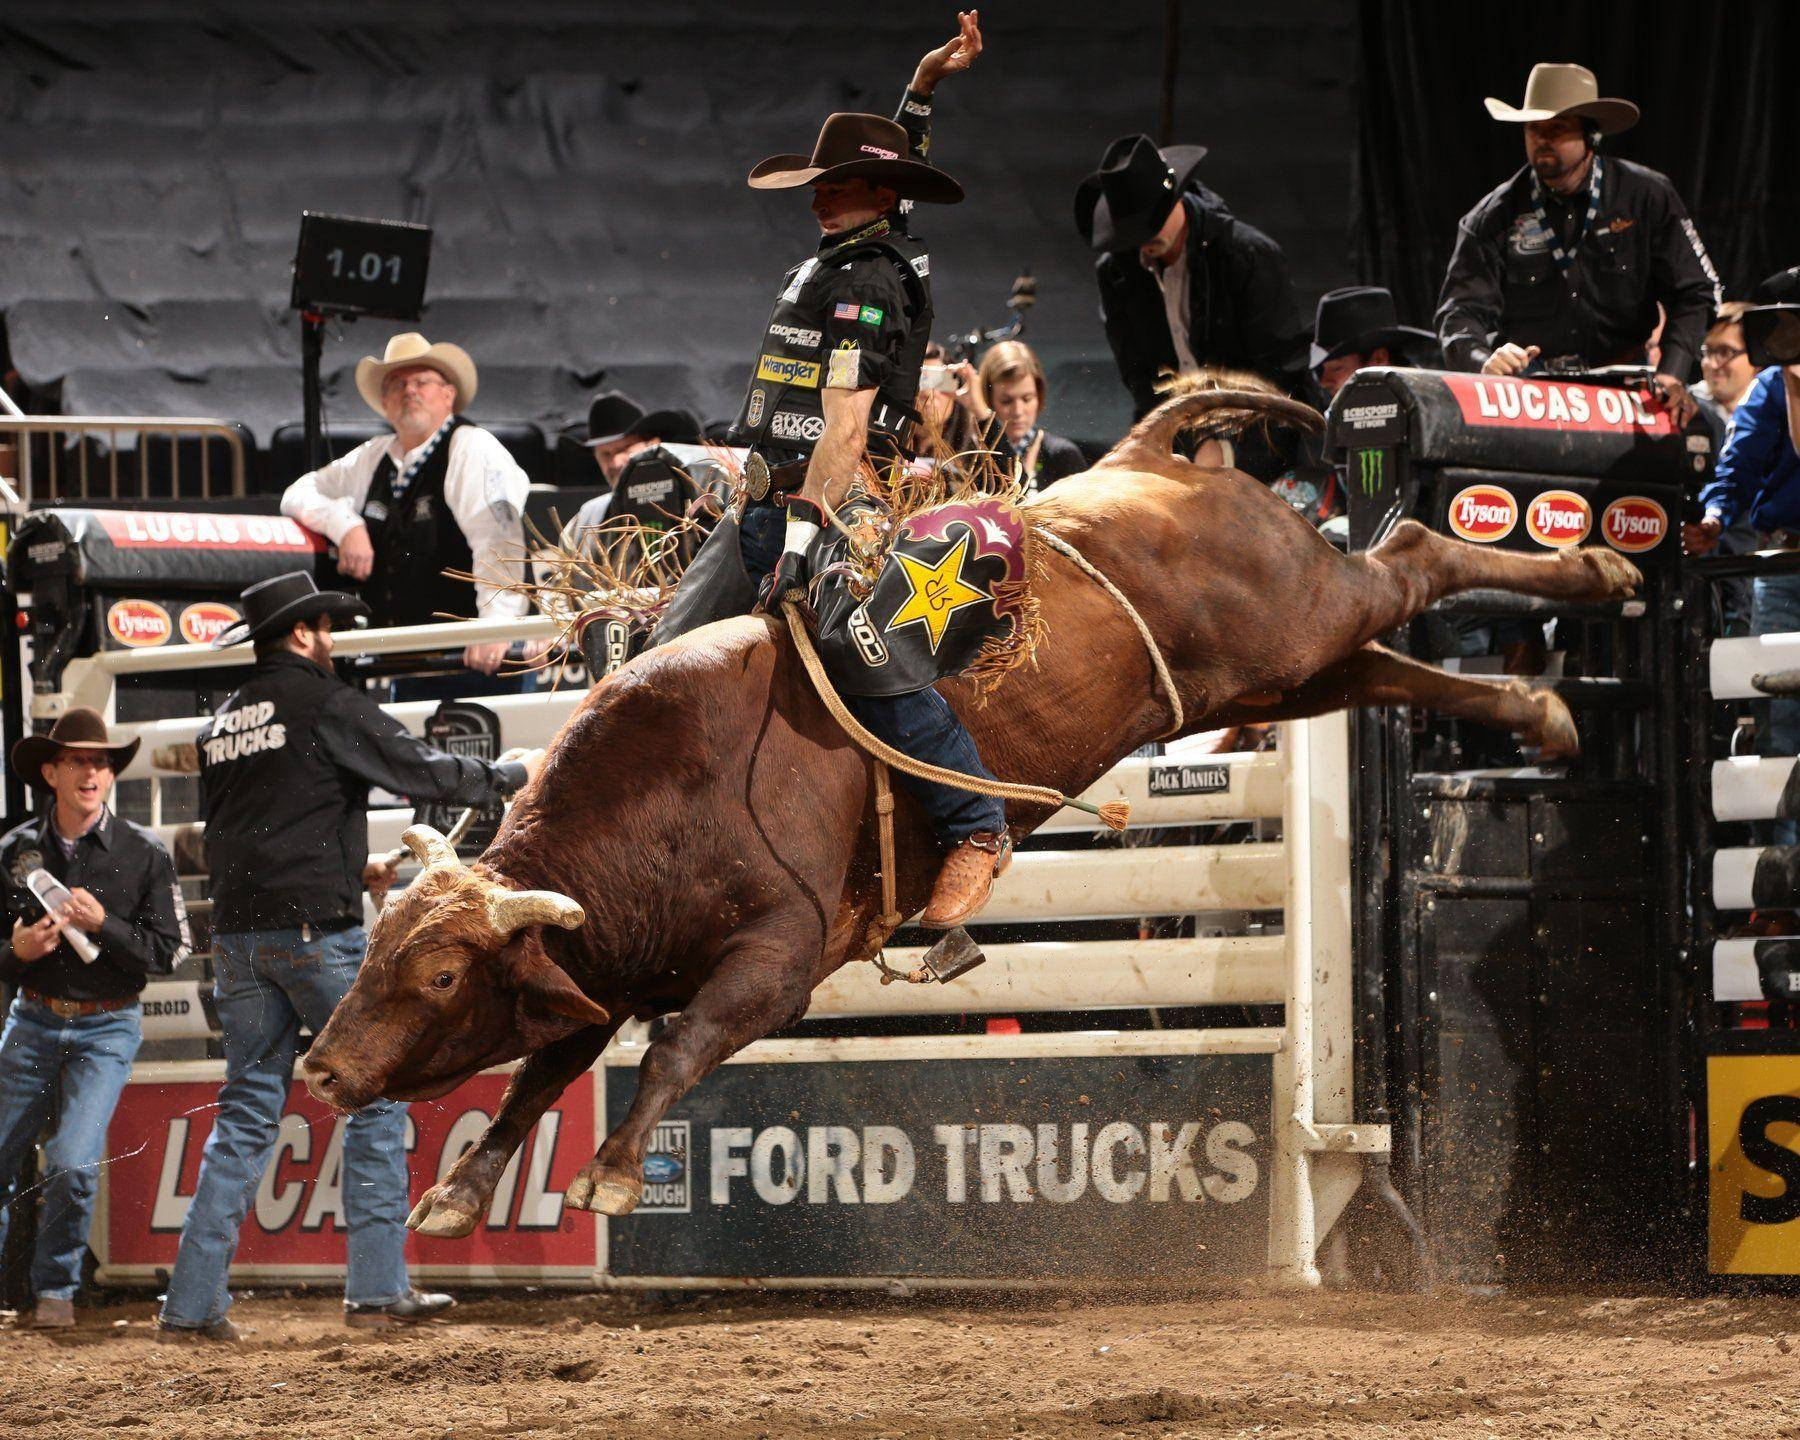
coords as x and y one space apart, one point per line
438 497
75 1023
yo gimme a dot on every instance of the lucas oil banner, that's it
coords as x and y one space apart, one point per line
295 1228
1127 1167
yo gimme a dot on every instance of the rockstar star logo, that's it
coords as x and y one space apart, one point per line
938 592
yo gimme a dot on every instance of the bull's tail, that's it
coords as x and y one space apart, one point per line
1152 440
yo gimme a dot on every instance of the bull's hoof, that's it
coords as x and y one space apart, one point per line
439 1215
1555 737
604 1191
1614 577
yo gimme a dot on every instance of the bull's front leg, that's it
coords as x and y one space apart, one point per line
757 988
454 1206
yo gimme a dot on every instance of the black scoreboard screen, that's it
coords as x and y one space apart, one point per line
347 266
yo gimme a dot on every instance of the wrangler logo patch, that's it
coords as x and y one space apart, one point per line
784 371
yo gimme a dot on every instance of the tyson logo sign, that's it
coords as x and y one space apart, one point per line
1559 518
204 621
1484 514
1634 524
138 623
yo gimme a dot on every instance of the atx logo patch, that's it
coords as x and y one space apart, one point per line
938 592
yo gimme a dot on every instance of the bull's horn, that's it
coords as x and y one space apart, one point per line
429 847
513 910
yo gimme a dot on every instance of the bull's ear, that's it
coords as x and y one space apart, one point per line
536 977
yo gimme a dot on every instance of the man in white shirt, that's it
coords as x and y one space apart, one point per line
438 496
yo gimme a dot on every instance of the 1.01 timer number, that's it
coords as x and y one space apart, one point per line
370 267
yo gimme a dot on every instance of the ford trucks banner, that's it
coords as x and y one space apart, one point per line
296 1222
1127 1166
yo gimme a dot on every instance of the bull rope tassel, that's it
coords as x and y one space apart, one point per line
1114 814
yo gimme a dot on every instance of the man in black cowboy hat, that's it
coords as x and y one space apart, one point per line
1183 282
837 378
618 428
1358 326
285 771
75 1024
614 449
1564 265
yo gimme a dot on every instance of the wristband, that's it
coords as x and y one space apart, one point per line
802 526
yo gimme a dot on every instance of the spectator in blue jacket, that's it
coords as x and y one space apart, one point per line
1758 475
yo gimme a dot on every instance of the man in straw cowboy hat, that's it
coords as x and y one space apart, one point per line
439 495
75 1023
1184 283
1564 265
836 378
285 771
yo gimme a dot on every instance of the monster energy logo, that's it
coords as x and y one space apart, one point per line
1369 467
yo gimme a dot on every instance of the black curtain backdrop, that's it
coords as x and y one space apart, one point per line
1721 118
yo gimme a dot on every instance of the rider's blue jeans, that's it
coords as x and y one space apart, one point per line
922 724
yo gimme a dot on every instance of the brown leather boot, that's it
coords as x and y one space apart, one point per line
966 879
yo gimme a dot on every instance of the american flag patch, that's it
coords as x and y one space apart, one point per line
846 312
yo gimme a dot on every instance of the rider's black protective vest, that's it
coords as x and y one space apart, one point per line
417 538
782 410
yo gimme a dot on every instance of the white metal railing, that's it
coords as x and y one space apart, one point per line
123 436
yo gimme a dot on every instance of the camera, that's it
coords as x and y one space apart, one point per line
936 376
1772 335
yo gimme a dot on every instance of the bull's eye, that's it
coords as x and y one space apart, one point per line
443 980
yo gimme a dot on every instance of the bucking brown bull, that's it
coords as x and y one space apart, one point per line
701 839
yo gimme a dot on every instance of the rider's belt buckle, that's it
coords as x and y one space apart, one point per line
756 476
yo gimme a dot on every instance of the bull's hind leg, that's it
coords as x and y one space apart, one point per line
757 988
454 1206
1374 676
1421 567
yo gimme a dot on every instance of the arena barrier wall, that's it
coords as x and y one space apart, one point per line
1748 1060
1229 1150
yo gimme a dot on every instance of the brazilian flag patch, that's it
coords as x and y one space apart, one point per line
871 315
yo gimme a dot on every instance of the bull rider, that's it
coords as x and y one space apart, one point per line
836 379
76 1024
285 770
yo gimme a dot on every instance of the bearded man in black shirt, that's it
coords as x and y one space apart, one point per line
285 771
1564 265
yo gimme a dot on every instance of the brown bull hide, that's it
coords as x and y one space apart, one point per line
718 829
547 997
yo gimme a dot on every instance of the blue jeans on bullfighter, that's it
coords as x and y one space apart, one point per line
921 724
269 983
86 1061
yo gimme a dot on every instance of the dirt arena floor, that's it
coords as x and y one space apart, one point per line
1233 1365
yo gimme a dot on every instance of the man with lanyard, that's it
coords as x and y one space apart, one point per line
440 496
285 771
837 377
76 1024
1564 265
